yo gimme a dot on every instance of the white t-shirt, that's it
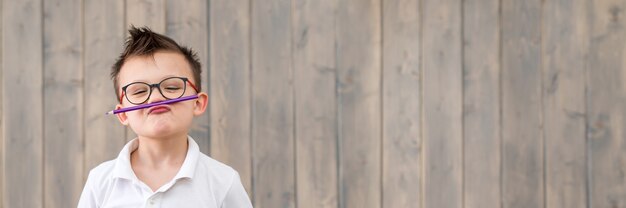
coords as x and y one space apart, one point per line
200 182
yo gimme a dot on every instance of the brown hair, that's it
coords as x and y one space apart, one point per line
144 42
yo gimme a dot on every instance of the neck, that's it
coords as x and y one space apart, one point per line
160 152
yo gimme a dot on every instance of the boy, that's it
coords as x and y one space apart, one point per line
163 166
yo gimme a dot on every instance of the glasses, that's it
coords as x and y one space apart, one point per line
171 88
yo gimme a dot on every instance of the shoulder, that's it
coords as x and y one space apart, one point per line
215 169
224 182
101 174
97 182
219 176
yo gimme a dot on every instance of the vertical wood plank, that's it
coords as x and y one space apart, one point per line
522 153
564 59
149 13
315 105
481 104
401 150
230 86
22 74
187 24
272 103
606 100
359 102
63 88
443 98
104 37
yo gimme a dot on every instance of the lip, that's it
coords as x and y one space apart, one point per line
159 109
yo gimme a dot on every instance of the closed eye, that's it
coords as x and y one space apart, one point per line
172 88
139 92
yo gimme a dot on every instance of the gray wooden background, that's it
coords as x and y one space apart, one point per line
338 103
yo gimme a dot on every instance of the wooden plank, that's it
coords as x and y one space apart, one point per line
359 103
23 84
104 38
481 104
402 143
522 139
187 25
564 59
230 86
315 102
272 105
606 99
149 13
442 104
63 90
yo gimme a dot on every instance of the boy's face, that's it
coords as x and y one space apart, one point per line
163 120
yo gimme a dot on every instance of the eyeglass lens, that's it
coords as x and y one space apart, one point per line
170 88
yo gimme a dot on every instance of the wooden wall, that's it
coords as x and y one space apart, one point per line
337 103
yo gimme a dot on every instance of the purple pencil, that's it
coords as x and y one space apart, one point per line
122 110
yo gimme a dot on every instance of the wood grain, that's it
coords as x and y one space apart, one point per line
481 104
314 63
272 105
150 13
104 38
442 104
564 67
63 100
359 103
23 103
401 108
322 103
522 138
606 98
230 101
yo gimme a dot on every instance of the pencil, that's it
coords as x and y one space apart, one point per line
122 110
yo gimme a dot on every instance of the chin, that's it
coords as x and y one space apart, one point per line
160 129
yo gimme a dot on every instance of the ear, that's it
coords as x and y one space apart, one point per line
200 104
121 116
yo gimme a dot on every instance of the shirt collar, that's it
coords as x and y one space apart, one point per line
124 170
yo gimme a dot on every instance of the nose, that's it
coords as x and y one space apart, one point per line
156 95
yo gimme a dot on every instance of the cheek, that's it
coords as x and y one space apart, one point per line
184 115
135 119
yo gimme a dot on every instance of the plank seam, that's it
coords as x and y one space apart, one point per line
421 101
207 67
43 104
542 103
83 135
500 103
251 100
382 103
461 36
2 118
337 111
293 106
588 159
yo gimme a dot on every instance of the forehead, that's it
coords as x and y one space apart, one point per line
154 68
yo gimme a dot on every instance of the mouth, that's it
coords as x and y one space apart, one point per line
158 109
